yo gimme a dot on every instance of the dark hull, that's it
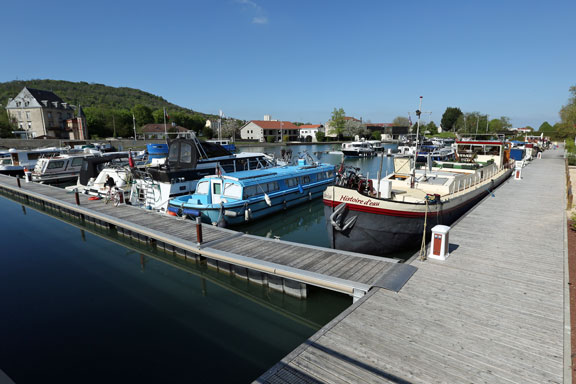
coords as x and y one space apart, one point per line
13 172
381 234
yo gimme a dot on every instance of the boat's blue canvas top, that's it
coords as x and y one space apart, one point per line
261 175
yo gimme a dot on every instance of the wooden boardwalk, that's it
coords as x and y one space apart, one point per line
493 312
279 264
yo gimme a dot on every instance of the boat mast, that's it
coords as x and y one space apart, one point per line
418 113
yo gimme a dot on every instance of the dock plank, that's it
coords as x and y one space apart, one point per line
493 312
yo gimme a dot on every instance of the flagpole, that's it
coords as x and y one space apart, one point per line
134 124
165 129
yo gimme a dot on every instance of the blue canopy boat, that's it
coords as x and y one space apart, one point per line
237 197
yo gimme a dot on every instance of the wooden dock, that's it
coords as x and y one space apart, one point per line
494 312
284 266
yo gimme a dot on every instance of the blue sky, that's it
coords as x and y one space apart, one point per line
298 60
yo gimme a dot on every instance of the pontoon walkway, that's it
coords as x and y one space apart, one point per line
494 312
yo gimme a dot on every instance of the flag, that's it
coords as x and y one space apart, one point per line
409 121
166 115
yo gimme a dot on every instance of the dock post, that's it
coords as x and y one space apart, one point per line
199 230
77 196
18 181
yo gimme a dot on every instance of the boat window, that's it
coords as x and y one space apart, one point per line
185 153
173 154
6 161
492 150
292 182
273 186
233 190
217 188
250 191
241 165
56 164
77 161
305 179
202 188
325 175
253 163
227 166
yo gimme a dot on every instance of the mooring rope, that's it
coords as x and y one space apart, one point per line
422 254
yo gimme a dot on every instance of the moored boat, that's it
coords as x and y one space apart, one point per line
383 216
235 198
189 159
358 149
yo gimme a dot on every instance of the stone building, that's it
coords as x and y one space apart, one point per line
40 113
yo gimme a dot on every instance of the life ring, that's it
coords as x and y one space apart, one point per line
94 198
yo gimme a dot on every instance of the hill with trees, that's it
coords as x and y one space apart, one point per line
110 110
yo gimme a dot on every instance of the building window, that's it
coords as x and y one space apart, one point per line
28 115
49 115
29 125
19 114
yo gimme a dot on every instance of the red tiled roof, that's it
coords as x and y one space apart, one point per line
274 124
310 126
350 118
159 128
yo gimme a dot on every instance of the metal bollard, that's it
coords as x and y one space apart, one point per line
18 181
77 196
199 230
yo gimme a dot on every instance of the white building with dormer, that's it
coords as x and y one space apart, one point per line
40 113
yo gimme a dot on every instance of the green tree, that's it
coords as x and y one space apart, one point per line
401 122
320 136
500 125
431 128
546 128
207 133
568 111
377 135
337 122
143 114
450 117
564 130
6 127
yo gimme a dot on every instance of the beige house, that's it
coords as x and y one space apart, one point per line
161 131
269 131
40 113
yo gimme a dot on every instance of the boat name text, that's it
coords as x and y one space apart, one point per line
355 200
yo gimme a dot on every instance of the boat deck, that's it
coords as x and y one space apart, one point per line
494 312
341 271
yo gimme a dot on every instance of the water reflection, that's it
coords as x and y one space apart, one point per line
306 223
79 293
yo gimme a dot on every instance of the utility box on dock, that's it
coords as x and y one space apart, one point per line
518 171
439 244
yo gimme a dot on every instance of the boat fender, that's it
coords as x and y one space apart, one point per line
247 214
300 189
285 205
94 198
171 213
267 198
230 213
310 196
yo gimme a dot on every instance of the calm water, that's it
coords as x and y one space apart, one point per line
80 305
306 223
